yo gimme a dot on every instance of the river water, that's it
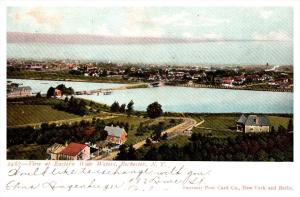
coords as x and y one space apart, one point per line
181 99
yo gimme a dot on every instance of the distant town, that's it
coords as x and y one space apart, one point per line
247 77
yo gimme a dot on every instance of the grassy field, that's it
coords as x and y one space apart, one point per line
219 122
180 141
28 114
28 151
276 121
215 133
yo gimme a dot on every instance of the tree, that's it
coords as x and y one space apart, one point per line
126 127
132 154
291 125
65 90
122 155
44 126
164 136
130 107
148 142
50 92
38 95
272 129
123 108
103 135
115 107
281 128
154 110
66 99
100 125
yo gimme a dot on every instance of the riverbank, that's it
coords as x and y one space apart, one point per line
61 76
252 88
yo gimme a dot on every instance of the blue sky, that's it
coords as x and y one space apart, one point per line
253 23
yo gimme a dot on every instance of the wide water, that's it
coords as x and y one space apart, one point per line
257 52
182 99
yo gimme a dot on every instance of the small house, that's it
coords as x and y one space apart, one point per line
116 135
19 92
252 123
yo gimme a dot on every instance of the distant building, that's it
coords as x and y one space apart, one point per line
252 123
116 135
227 81
75 151
19 92
57 93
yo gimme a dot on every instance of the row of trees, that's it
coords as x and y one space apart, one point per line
245 147
74 106
154 110
116 107
64 90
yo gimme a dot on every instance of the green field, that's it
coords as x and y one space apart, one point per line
28 114
219 122
27 151
179 140
276 121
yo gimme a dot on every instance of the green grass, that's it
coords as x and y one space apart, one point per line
29 114
179 140
216 133
28 151
219 122
277 120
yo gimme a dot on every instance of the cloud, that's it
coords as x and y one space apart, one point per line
178 19
209 21
265 13
213 36
44 17
103 30
187 35
273 35
37 18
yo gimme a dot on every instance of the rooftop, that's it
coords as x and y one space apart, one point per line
114 131
73 149
253 120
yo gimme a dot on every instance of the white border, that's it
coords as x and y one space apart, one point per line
287 172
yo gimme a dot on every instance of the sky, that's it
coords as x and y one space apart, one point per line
251 23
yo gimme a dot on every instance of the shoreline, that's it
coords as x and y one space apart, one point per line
137 83
230 88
